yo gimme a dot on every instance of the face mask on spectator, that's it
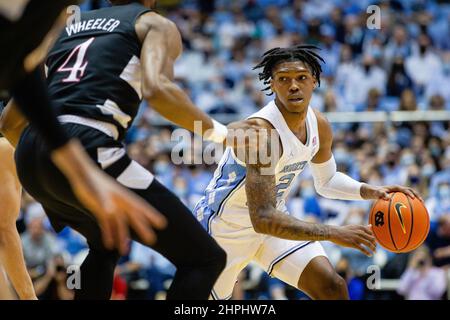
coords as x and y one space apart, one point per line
180 190
435 150
407 159
414 179
444 192
428 170
423 49
160 167
446 69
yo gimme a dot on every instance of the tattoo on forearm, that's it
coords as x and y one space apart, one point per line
261 197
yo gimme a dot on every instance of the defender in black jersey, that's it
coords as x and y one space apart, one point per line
98 72
25 33
29 28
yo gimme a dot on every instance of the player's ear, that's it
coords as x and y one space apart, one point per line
272 85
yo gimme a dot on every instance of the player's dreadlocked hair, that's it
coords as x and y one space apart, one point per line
304 53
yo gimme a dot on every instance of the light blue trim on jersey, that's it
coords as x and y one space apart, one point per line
231 176
230 179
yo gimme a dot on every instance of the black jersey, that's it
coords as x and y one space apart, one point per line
94 69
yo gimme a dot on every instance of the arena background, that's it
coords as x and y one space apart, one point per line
386 91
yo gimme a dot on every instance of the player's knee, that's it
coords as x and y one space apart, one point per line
335 288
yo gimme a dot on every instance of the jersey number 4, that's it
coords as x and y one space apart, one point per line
79 66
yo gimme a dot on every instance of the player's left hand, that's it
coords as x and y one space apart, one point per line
247 129
247 136
372 192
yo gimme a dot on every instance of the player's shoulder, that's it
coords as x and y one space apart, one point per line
323 124
154 19
260 122
321 118
156 22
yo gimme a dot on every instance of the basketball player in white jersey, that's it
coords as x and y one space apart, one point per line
244 205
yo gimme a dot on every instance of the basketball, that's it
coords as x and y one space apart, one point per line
400 224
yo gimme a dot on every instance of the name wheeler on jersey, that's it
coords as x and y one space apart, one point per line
94 69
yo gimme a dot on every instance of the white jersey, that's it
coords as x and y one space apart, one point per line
225 196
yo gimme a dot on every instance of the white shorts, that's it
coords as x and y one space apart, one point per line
282 259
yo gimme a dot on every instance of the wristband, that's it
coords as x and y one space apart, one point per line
218 134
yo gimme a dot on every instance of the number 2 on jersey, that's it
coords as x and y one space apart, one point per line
78 68
285 182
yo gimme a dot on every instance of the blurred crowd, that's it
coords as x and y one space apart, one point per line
403 65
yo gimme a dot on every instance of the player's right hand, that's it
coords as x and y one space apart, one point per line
356 237
116 208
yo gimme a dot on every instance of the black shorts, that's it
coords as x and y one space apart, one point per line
19 38
183 239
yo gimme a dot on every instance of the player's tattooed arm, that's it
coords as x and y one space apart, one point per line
266 219
260 188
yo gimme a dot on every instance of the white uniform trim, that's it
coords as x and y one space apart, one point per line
107 128
132 74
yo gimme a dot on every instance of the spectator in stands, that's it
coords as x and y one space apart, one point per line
53 284
439 241
362 78
408 101
398 79
424 65
421 280
398 47
39 245
439 204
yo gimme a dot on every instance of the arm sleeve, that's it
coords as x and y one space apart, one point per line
332 184
33 101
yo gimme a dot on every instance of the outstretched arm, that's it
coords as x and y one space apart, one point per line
332 184
161 47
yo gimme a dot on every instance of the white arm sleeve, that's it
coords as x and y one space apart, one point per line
332 184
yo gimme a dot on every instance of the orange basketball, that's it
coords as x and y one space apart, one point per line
400 224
